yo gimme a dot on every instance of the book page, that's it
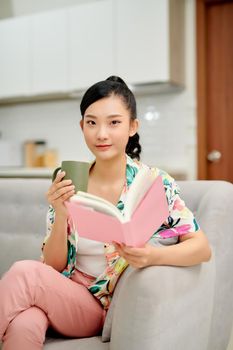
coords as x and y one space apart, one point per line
95 225
97 203
151 212
141 184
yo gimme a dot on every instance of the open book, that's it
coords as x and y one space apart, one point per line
145 209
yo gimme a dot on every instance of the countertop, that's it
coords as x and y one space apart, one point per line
26 172
18 172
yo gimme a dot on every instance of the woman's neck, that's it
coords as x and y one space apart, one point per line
109 171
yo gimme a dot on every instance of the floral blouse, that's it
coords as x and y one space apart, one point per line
179 222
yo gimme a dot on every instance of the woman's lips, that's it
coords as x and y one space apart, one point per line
103 147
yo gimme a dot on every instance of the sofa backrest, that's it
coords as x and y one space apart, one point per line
23 211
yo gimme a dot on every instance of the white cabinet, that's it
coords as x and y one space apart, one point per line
14 57
145 33
60 51
91 48
49 52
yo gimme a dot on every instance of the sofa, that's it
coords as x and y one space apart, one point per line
155 308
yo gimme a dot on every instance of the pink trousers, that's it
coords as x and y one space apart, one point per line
34 296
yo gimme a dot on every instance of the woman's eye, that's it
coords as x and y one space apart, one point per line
90 122
115 122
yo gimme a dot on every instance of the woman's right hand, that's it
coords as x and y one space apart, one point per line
59 192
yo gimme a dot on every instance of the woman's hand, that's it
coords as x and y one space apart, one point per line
136 257
59 192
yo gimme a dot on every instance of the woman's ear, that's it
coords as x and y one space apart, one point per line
134 124
81 124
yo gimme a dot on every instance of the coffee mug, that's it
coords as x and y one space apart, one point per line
77 171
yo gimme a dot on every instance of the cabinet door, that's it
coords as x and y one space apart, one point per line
49 52
90 43
14 57
142 34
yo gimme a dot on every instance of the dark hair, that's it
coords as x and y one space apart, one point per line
115 86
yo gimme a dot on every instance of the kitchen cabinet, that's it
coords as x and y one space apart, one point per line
150 41
56 53
14 57
90 41
49 52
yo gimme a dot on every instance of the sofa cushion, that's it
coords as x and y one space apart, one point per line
94 343
106 333
18 247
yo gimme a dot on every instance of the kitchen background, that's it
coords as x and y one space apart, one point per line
168 116
167 119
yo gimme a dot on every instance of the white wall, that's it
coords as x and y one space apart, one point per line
169 142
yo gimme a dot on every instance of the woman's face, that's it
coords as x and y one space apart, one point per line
107 127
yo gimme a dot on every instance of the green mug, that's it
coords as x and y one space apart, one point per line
77 171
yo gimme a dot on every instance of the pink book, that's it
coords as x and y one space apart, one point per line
145 210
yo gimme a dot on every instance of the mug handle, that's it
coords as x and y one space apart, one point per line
55 173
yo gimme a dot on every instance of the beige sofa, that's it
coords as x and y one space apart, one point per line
156 308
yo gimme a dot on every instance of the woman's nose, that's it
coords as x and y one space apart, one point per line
102 133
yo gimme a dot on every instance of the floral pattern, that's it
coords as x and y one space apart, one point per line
180 221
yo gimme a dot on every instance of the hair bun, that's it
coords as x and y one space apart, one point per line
116 79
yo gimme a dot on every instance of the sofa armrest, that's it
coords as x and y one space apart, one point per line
164 307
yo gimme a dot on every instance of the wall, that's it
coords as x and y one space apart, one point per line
168 142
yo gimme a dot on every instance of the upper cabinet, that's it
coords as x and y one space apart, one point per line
150 41
67 50
14 57
90 41
49 52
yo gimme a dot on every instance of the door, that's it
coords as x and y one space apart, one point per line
215 89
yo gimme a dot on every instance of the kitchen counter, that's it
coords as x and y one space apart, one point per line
47 173
26 172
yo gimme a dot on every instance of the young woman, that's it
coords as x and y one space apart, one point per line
71 289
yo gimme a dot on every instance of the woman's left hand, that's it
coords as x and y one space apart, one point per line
136 257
